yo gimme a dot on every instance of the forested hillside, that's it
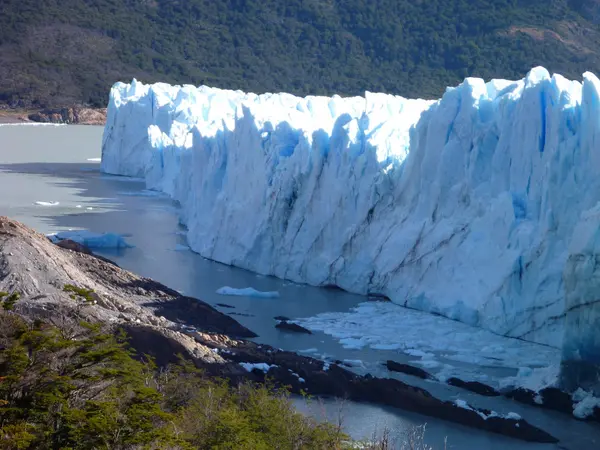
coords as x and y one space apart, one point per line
62 52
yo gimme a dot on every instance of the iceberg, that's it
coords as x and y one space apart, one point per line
91 240
481 206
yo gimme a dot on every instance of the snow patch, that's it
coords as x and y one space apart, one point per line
259 366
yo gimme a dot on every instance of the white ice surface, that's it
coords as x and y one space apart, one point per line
468 207
246 292
92 240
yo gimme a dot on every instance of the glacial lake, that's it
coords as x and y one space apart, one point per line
50 179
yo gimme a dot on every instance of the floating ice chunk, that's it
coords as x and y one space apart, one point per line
92 240
259 366
94 159
534 379
585 404
47 203
247 292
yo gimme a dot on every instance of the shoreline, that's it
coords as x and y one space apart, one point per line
77 115
162 323
12 117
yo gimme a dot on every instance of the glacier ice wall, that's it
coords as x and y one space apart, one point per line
467 207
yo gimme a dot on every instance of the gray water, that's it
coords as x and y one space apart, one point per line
50 164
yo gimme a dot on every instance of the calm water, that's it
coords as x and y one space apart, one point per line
51 164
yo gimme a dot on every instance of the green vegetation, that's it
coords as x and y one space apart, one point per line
79 293
60 52
86 391
8 300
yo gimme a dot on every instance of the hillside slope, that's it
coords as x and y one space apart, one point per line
57 53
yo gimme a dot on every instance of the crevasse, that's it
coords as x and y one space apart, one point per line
482 206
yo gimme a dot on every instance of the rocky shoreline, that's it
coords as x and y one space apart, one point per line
163 323
77 115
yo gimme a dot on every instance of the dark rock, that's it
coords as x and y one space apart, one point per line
68 244
408 369
522 395
147 341
474 386
282 318
224 305
196 313
74 246
554 398
293 327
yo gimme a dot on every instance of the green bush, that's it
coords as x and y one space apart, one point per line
88 392
9 300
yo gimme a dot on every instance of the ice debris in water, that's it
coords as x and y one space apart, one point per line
40 203
585 404
247 292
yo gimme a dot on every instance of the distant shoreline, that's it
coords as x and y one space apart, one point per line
69 115
9 116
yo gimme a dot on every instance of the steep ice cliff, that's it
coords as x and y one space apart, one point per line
471 207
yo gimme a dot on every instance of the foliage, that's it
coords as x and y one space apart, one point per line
8 300
85 390
79 293
55 52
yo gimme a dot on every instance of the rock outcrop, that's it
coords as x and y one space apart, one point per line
71 115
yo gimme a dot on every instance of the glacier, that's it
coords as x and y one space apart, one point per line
482 206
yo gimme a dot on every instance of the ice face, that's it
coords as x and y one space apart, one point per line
467 207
